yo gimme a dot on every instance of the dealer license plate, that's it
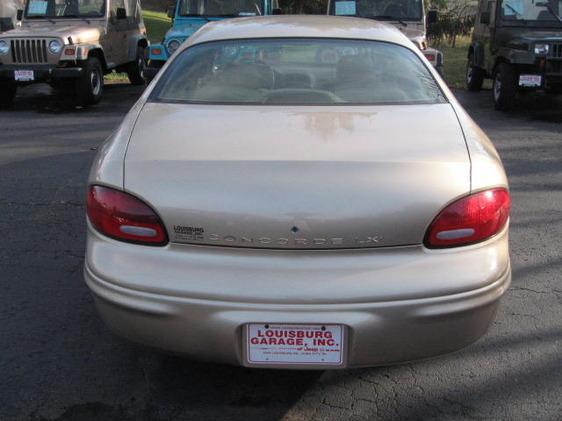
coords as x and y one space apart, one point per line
289 344
24 75
530 81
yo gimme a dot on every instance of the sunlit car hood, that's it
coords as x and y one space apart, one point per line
297 177
79 33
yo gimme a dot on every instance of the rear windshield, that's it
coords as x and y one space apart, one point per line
297 72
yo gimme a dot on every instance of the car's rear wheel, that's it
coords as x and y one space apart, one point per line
89 88
7 93
504 90
135 70
474 75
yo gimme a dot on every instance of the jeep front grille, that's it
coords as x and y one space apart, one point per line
29 51
554 66
556 51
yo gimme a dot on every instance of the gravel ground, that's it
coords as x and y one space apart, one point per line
59 362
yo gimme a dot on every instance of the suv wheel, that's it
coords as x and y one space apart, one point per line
135 70
504 89
89 88
474 75
7 93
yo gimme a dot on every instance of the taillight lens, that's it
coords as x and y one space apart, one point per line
122 216
469 220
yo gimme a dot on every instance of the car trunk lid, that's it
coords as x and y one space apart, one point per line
297 177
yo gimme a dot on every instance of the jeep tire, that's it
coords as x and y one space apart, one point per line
504 88
7 93
135 70
89 87
474 76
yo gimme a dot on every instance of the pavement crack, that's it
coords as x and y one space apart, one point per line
529 290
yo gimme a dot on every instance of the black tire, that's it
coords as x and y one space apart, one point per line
89 87
152 69
504 89
474 75
7 93
135 70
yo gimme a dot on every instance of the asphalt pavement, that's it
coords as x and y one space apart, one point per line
59 362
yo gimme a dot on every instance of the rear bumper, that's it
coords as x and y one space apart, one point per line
397 325
379 333
42 73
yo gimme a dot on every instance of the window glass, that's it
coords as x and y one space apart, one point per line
298 71
531 10
221 7
380 9
37 9
118 4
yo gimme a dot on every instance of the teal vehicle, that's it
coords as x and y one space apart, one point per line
190 15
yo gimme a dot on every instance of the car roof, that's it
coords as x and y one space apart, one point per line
299 26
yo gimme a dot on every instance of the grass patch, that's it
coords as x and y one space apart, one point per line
114 77
455 62
157 24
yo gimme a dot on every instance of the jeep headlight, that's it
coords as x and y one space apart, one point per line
541 49
55 46
172 46
4 47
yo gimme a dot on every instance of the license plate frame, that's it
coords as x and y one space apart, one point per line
296 353
24 75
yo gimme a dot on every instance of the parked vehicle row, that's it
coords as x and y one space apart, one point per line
72 44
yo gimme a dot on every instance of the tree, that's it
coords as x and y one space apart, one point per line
299 7
456 18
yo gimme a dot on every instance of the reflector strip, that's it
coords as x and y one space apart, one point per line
140 231
454 234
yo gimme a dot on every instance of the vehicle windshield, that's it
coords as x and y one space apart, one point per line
531 11
298 72
51 9
379 9
218 8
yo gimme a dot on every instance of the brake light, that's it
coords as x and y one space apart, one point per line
122 216
469 220
430 57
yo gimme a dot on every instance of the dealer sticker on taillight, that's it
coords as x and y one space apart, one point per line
297 344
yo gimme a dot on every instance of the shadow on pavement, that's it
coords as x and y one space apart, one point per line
42 98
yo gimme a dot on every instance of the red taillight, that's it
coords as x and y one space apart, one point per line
430 57
124 217
469 220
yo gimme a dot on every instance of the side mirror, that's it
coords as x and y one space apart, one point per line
431 17
485 18
277 11
121 13
19 15
171 12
